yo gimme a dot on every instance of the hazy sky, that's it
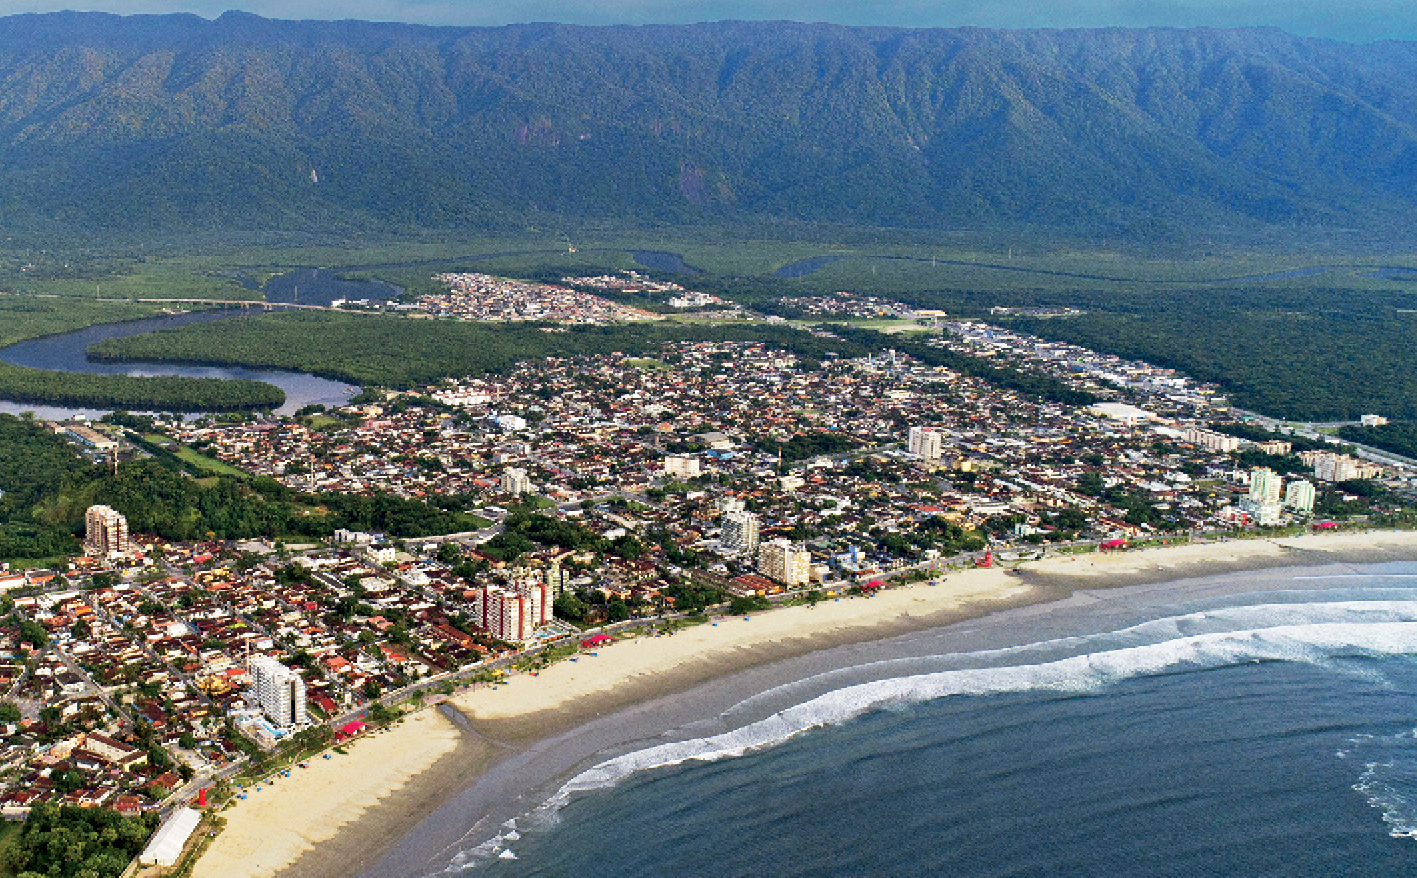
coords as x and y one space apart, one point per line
1358 20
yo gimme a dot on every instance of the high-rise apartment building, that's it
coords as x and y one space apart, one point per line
515 481
788 564
279 690
927 442
740 532
682 465
1299 496
512 612
105 532
1266 486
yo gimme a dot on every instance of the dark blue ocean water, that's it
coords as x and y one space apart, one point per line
1255 735
1233 772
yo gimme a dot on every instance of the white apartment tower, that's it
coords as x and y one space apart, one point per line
740 532
105 532
1299 496
1335 467
515 481
1212 441
1266 487
279 690
788 564
925 442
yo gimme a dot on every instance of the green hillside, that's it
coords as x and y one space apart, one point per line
1156 135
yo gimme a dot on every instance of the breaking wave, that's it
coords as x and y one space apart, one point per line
1314 633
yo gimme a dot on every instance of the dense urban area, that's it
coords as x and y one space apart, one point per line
594 493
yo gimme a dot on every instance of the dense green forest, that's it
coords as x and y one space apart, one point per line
163 394
74 842
47 488
1299 354
1152 135
1399 437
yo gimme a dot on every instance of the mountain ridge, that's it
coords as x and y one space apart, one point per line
245 122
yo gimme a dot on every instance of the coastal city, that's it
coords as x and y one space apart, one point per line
613 494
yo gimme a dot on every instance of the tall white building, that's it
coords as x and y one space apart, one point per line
1299 496
1266 486
788 564
1336 467
515 481
740 532
512 612
105 532
279 690
681 465
1263 500
926 442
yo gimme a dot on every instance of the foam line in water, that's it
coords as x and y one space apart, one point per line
1310 643
1248 618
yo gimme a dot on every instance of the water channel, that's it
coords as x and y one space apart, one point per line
68 352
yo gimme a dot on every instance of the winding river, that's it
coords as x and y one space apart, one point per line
67 352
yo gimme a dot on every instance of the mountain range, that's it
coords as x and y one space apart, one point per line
113 123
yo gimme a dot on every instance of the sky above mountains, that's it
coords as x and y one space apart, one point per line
1355 20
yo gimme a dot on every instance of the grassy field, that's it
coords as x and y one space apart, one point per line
194 457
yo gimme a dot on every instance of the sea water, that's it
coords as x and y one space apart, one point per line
1198 731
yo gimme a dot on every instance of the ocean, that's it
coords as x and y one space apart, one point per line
1258 724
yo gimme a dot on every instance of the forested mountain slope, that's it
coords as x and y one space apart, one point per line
243 122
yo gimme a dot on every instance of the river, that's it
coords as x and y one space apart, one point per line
68 353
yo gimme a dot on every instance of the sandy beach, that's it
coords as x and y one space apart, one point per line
270 829
330 820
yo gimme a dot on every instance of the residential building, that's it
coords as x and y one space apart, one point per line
105 532
740 532
279 690
1299 496
515 481
1335 467
784 562
1266 486
512 612
926 442
1262 502
683 466
1212 441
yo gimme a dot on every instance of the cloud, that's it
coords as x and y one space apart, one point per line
1360 21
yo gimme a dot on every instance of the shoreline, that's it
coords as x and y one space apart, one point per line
429 761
